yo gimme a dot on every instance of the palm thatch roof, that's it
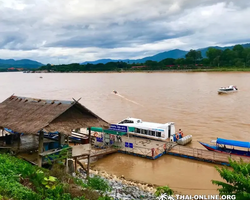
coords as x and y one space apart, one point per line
29 115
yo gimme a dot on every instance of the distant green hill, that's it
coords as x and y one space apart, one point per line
24 63
176 53
204 50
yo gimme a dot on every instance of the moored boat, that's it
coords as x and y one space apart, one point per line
155 131
227 146
149 129
229 89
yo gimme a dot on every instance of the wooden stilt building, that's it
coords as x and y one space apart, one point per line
31 116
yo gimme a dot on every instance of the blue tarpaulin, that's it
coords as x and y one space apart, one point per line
233 143
10 131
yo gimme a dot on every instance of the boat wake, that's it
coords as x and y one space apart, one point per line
127 99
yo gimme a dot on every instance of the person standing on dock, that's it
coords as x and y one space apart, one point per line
180 132
119 139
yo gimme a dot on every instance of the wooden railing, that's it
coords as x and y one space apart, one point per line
97 152
205 154
142 151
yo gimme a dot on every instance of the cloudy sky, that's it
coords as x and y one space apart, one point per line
66 31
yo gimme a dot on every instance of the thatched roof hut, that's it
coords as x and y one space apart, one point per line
28 115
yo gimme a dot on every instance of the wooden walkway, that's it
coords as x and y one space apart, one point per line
96 152
101 152
204 155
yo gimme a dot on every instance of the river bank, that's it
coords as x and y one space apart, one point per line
220 69
122 188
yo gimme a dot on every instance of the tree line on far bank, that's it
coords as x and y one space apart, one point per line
238 57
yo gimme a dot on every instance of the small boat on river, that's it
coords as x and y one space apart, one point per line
222 147
229 89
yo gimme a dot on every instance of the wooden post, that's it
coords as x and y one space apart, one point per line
68 140
75 164
70 166
61 139
19 142
89 153
40 148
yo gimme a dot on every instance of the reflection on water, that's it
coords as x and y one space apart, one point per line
188 99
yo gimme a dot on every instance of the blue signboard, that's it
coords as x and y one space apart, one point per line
129 145
99 139
119 128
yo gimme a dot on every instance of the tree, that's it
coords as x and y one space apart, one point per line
167 61
227 57
179 61
152 64
214 55
246 56
237 180
193 56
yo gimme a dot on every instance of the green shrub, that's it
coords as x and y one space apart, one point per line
11 188
79 182
163 190
98 183
19 180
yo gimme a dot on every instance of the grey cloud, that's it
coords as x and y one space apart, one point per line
237 41
11 40
115 35
43 25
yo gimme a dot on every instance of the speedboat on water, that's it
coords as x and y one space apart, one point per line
229 89
222 147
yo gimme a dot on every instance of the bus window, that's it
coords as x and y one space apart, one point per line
153 133
149 132
126 122
144 132
137 130
158 134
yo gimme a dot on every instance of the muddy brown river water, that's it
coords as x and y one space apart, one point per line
188 99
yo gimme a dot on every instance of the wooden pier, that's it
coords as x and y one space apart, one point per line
204 155
152 149
96 153
141 147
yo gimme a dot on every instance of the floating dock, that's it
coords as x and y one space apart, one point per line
153 149
141 147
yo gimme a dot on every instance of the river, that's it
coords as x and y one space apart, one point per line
189 99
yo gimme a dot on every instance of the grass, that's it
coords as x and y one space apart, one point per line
221 69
